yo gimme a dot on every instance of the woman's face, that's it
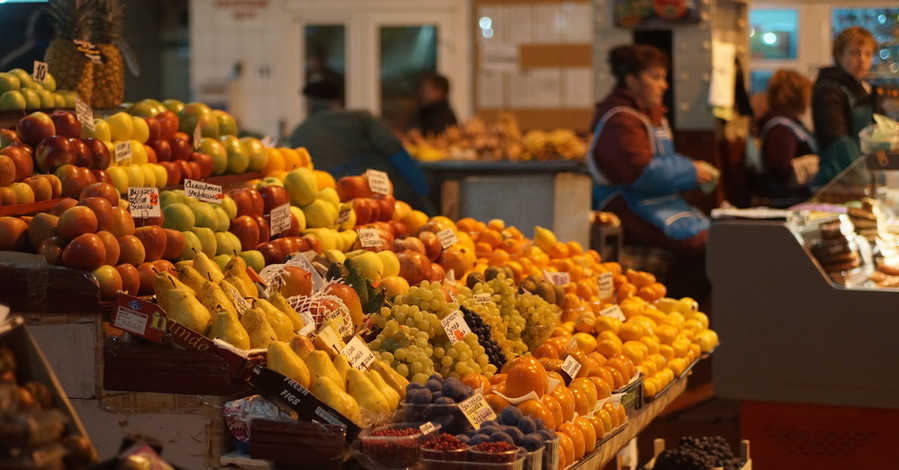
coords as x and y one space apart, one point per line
649 86
856 60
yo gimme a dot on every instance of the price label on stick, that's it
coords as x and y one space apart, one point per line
40 72
571 366
280 219
447 238
143 202
606 286
204 191
427 428
557 279
198 136
476 410
84 113
378 182
614 311
344 216
358 354
455 326
369 237
482 298
123 152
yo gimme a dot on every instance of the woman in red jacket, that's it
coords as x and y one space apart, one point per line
637 173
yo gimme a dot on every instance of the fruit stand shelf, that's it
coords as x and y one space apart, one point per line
28 209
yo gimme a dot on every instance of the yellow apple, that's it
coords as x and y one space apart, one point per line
119 178
121 127
141 130
100 132
391 262
161 175
135 176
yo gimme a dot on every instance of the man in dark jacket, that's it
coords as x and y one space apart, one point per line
435 114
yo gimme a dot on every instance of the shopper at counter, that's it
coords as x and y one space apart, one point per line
434 114
842 104
788 149
347 142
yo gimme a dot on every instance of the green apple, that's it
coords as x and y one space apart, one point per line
173 105
170 197
369 264
254 259
300 215
146 108
149 175
178 216
229 206
301 185
47 98
204 214
192 245
121 127
320 213
216 150
24 77
256 152
327 238
101 132
224 222
32 99
238 159
119 178
225 243
49 83
161 175
141 130
330 195
12 100
135 176
207 239
223 259
9 82
227 124
270 181
70 97
59 99
196 113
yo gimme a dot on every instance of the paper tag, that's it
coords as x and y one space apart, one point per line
551 384
571 366
143 202
268 142
40 72
615 399
123 151
346 324
476 410
606 286
427 428
89 50
198 136
452 296
84 113
378 182
139 317
358 354
280 219
343 216
447 238
369 237
614 311
557 279
455 326
482 298
329 337
203 191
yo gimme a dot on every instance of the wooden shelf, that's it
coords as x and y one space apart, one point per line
28 209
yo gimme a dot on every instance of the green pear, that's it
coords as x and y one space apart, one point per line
185 309
366 394
222 217
320 365
204 214
280 323
260 332
207 240
208 268
163 284
281 304
330 394
192 245
282 360
227 328
393 398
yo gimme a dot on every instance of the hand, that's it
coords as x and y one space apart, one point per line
704 172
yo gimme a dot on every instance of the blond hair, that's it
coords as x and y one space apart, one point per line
853 35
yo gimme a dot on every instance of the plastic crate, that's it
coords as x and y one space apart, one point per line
658 445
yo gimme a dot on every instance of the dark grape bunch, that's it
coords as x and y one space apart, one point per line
420 400
485 339
698 453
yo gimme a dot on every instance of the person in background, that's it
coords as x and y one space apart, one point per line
348 142
842 104
788 149
434 114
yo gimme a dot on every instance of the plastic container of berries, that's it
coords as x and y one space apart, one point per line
396 445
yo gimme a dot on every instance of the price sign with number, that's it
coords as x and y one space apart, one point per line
358 354
40 72
606 286
476 410
447 238
280 219
123 152
427 428
614 311
204 191
84 113
378 182
571 366
455 326
558 279
369 237
143 202
198 136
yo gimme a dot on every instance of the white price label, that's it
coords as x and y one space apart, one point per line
369 237
452 295
476 410
143 202
378 182
551 384
268 142
427 428
131 320
571 366
614 311
123 151
280 219
482 298
455 326
84 113
358 354
447 238
343 216
40 72
606 286
203 191
557 279
346 324
198 136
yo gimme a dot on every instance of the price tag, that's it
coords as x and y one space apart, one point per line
89 50
346 324
143 202
123 152
614 311
455 326
139 317
40 72
606 286
558 279
551 384
482 298
343 216
452 296
476 410
571 366
369 237
203 191
427 428
447 238
84 113
268 142
358 354
280 219
378 182
198 136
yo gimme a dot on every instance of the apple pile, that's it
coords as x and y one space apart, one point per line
19 91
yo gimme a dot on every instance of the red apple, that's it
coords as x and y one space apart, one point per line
41 187
131 250
7 171
76 221
351 187
8 196
246 230
13 234
110 281
122 222
153 238
74 179
7 137
100 156
294 228
181 149
204 161
287 245
154 129
147 273
271 253
173 172
35 127
105 190
63 205
408 243
314 244
53 152
86 251
265 230
272 197
438 274
83 155
431 241
24 164
414 267
151 154
51 248
365 209
386 205
187 173
66 123
113 251
101 176
102 210
130 278
163 265
398 228
168 125
174 244
163 150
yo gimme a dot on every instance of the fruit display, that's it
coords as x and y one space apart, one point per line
19 90
698 453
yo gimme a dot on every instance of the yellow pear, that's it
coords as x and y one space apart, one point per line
393 398
391 377
342 364
544 238
301 345
260 332
226 327
236 271
212 296
232 294
280 323
208 268
281 304
185 309
366 394
283 361
320 366
163 284
330 394
191 277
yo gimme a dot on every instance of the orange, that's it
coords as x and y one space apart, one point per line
605 323
635 350
575 248
305 158
554 407
666 351
566 446
467 224
323 180
618 380
525 375
497 258
558 250
548 350
586 386
606 419
650 387
476 381
536 409
622 414
490 237
586 323
609 347
577 438
599 358
274 162
496 402
586 428
291 158
631 331
603 389
599 429
566 399
414 220
584 342
581 403
613 414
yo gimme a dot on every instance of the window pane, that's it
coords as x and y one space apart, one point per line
773 34
325 55
883 23
408 53
758 80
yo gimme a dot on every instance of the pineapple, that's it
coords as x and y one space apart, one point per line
73 71
109 77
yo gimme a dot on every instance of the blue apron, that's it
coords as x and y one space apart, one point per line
653 195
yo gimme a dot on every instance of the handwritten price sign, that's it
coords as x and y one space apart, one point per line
455 326
358 354
476 410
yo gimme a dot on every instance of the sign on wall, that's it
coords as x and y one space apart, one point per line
654 13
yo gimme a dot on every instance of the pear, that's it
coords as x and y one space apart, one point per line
233 294
283 361
261 333
185 309
236 272
184 262
330 394
212 296
390 375
192 278
393 398
320 366
342 364
281 325
301 345
163 284
226 327
208 268
366 394
281 304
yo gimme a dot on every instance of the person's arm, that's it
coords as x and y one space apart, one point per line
382 141
830 109
778 149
